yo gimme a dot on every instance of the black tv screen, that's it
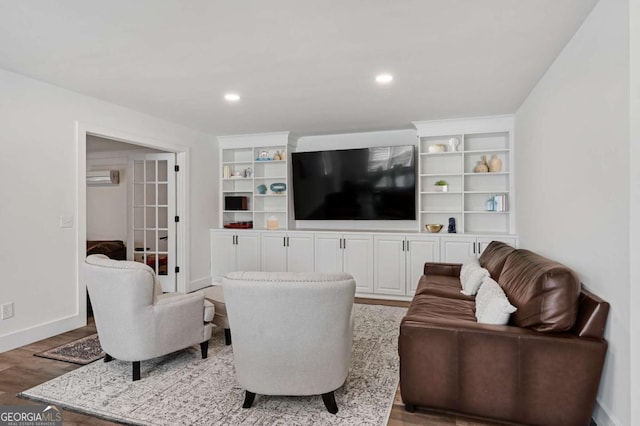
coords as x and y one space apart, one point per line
375 183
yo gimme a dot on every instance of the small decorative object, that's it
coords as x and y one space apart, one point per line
452 225
500 202
441 186
433 227
495 164
248 172
262 189
272 223
263 156
482 166
491 204
276 156
237 174
278 187
436 147
453 144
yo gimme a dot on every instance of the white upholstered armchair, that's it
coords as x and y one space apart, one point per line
135 321
292 332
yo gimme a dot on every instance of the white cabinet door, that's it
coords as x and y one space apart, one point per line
328 252
300 252
358 258
247 251
457 249
389 264
419 251
223 254
274 252
483 242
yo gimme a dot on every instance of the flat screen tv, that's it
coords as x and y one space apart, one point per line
375 183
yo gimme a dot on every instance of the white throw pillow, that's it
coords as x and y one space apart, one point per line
471 276
492 305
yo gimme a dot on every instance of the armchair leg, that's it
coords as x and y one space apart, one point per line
227 336
330 402
204 349
108 358
136 370
248 399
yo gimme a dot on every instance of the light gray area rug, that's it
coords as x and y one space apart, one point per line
183 389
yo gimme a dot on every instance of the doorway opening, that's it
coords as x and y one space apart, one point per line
135 216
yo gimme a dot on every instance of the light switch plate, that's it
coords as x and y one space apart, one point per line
7 310
66 221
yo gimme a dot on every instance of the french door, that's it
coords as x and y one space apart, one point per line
152 213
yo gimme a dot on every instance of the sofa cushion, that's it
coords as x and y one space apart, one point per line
494 256
441 285
544 291
492 305
471 276
426 306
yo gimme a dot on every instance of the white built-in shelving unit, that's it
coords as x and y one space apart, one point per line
249 159
468 191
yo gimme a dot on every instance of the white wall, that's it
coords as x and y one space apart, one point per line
39 175
634 181
359 140
572 147
107 205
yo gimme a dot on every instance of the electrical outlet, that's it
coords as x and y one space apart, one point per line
7 310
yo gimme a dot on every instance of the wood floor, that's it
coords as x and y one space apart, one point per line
20 370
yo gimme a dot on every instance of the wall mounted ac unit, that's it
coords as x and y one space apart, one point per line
103 178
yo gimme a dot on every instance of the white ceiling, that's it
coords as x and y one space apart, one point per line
304 66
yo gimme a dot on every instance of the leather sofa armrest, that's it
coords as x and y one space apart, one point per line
449 269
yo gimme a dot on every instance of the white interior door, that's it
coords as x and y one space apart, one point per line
152 226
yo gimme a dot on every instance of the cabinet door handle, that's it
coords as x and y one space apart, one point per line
344 243
287 241
403 242
479 249
284 241
474 248
341 243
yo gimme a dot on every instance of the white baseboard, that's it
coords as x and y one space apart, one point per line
203 282
384 297
42 331
602 417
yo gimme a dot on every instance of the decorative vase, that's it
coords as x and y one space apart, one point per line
482 166
453 144
272 223
495 164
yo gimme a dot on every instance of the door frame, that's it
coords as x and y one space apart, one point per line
182 201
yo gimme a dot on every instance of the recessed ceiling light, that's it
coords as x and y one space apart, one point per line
232 97
384 78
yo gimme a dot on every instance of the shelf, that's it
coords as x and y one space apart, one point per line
439 174
268 177
441 192
487 192
269 211
487 174
150 205
269 161
486 151
483 212
231 163
439 211
237 211
271 195
237 192
236 179
429 154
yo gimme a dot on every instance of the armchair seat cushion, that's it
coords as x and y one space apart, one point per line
209 311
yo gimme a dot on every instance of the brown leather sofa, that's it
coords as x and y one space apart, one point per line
543 368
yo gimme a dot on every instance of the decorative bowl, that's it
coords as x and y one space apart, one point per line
278 187
433 227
